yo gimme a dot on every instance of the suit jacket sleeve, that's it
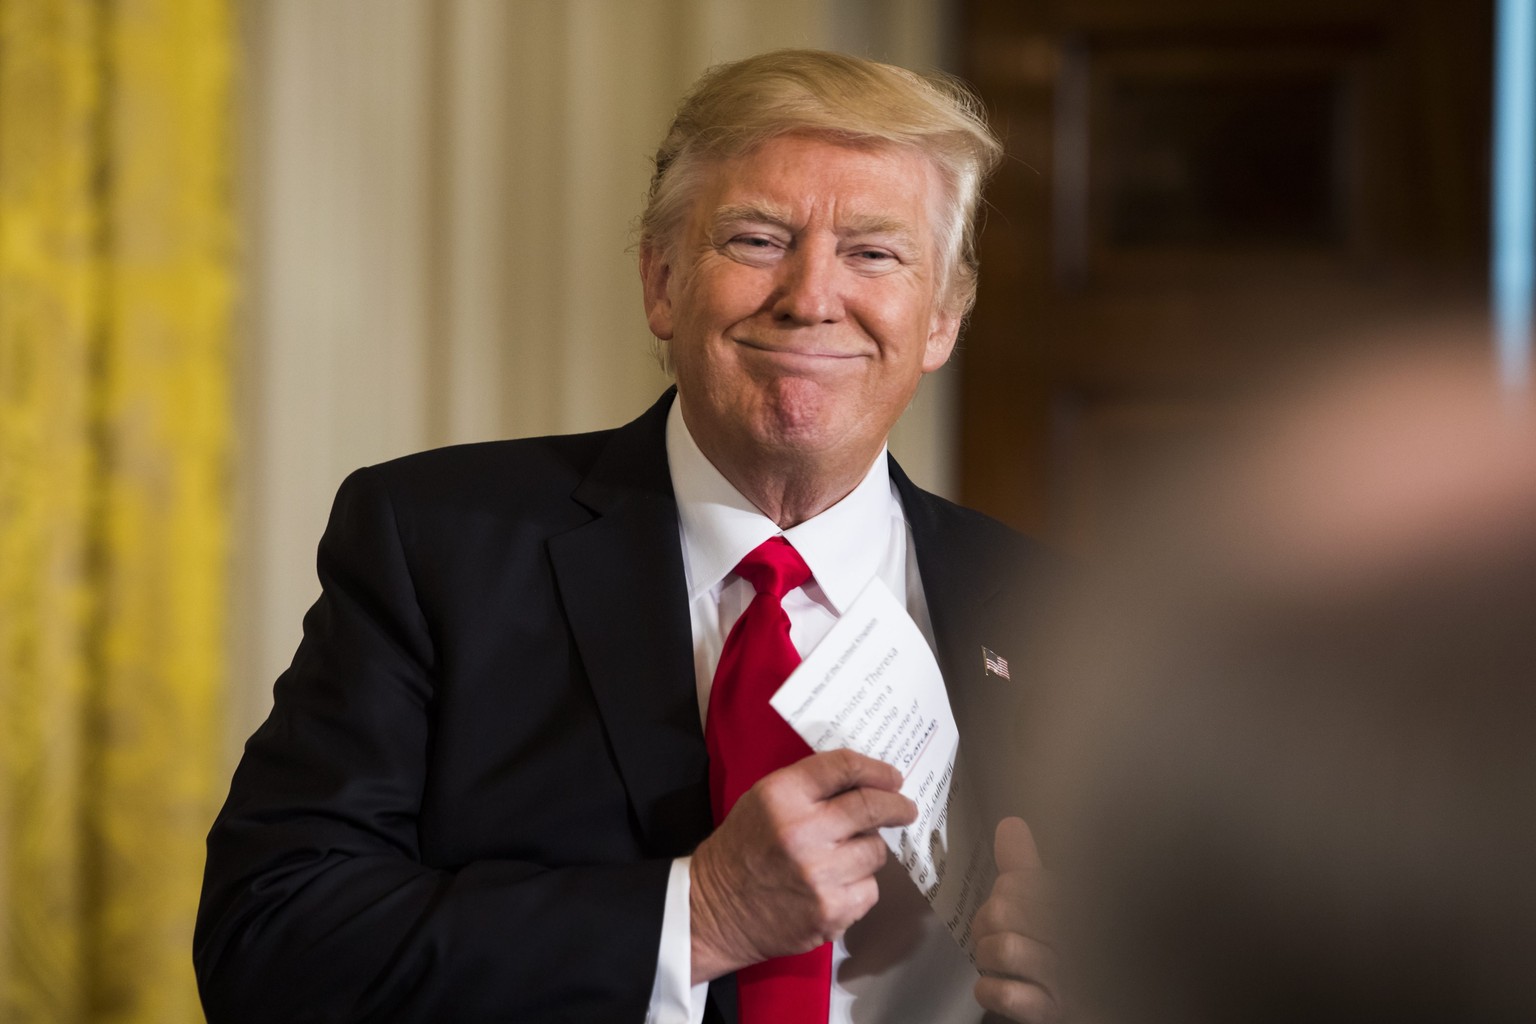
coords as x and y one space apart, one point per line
339 886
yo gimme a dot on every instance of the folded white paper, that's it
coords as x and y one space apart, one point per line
873 686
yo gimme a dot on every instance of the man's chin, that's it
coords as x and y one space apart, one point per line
815 439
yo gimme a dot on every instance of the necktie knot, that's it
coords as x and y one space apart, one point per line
774 567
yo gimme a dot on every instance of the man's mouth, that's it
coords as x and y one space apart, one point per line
809 353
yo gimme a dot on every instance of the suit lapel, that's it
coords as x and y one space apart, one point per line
958 583
964 584
621 582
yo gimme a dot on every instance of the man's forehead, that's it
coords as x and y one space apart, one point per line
875 187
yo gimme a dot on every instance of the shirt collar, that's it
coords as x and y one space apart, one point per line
842 546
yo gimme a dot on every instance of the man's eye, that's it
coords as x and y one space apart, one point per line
873 255
754 241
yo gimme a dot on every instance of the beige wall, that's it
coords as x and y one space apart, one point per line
438 197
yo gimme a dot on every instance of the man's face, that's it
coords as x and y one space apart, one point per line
801 302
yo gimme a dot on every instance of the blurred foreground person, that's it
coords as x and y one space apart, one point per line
1294 772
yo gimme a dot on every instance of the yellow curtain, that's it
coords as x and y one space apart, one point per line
115 295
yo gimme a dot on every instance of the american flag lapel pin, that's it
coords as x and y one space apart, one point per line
994 664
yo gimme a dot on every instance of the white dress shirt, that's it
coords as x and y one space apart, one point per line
898 963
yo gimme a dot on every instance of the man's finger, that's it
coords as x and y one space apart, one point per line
834 771
864 809
1011 955
1017 904
1017 1000
1014 847
858 860
1031 922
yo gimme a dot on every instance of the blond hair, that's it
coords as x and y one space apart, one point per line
735 107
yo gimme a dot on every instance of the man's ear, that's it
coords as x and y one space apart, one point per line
941 339
656 280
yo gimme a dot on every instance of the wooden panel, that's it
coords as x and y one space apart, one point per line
1196 193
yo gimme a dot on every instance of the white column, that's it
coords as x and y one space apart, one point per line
336 304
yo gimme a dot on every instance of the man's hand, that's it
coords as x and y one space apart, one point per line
1013 952
793 864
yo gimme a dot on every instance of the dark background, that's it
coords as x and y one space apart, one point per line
1196 192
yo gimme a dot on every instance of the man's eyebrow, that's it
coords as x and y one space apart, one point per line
755 213
876 224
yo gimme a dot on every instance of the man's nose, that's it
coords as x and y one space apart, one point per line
810 290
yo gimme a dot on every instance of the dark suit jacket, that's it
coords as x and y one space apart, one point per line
487 750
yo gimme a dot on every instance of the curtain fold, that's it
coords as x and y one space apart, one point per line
115 297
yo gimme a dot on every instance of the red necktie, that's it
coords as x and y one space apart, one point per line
746 740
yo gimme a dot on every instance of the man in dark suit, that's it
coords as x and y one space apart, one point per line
484 789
